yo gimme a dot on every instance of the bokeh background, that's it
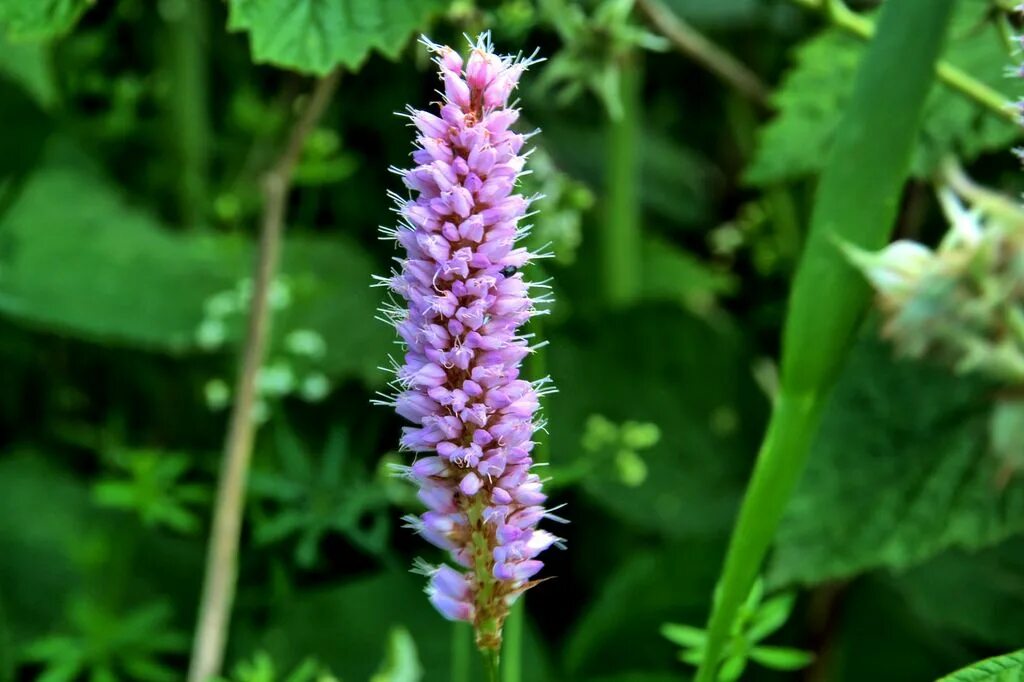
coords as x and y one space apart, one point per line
134 137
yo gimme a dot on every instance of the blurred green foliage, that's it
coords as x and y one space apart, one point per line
122 312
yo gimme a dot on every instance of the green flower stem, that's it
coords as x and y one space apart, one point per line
491 666
190 121
512 649
462 651
857 201
620 242
952 76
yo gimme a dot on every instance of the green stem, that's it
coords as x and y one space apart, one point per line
952 76
512 654
779 466
491 665
190 125
620 238
462 651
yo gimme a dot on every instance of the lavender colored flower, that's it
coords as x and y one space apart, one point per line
460 384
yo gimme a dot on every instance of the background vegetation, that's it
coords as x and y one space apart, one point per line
680 150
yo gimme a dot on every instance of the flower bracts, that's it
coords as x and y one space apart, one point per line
466 302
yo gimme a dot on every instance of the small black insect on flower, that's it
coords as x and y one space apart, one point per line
508 270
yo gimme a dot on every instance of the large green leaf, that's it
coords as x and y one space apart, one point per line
900 471
1007 668
40 19
817 89
315 36
77 259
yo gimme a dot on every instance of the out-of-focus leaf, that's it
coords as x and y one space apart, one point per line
875 627
20 151
618 629
40 19
797 140
658 364
677 183
75 258
671 274
900 471
27 65
315 36
402 663
38 542
976 596
124 279
1006 668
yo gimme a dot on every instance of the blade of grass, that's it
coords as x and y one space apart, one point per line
857 202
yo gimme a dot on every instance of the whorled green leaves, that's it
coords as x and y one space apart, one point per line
315 36
796 141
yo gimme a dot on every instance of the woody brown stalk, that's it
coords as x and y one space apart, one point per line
222 555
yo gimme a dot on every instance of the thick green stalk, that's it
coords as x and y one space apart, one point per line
857 202
190 123
620 241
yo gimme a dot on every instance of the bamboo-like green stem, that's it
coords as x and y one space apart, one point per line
190 124
779 466
512 647
620 241
857 201
222 555
462 652
952 76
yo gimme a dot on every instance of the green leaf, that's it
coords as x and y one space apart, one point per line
101 243
40 19
671 274
781 658
796 142
40 541
315 36
403 663
684 635
900 471
770 617
1007 668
